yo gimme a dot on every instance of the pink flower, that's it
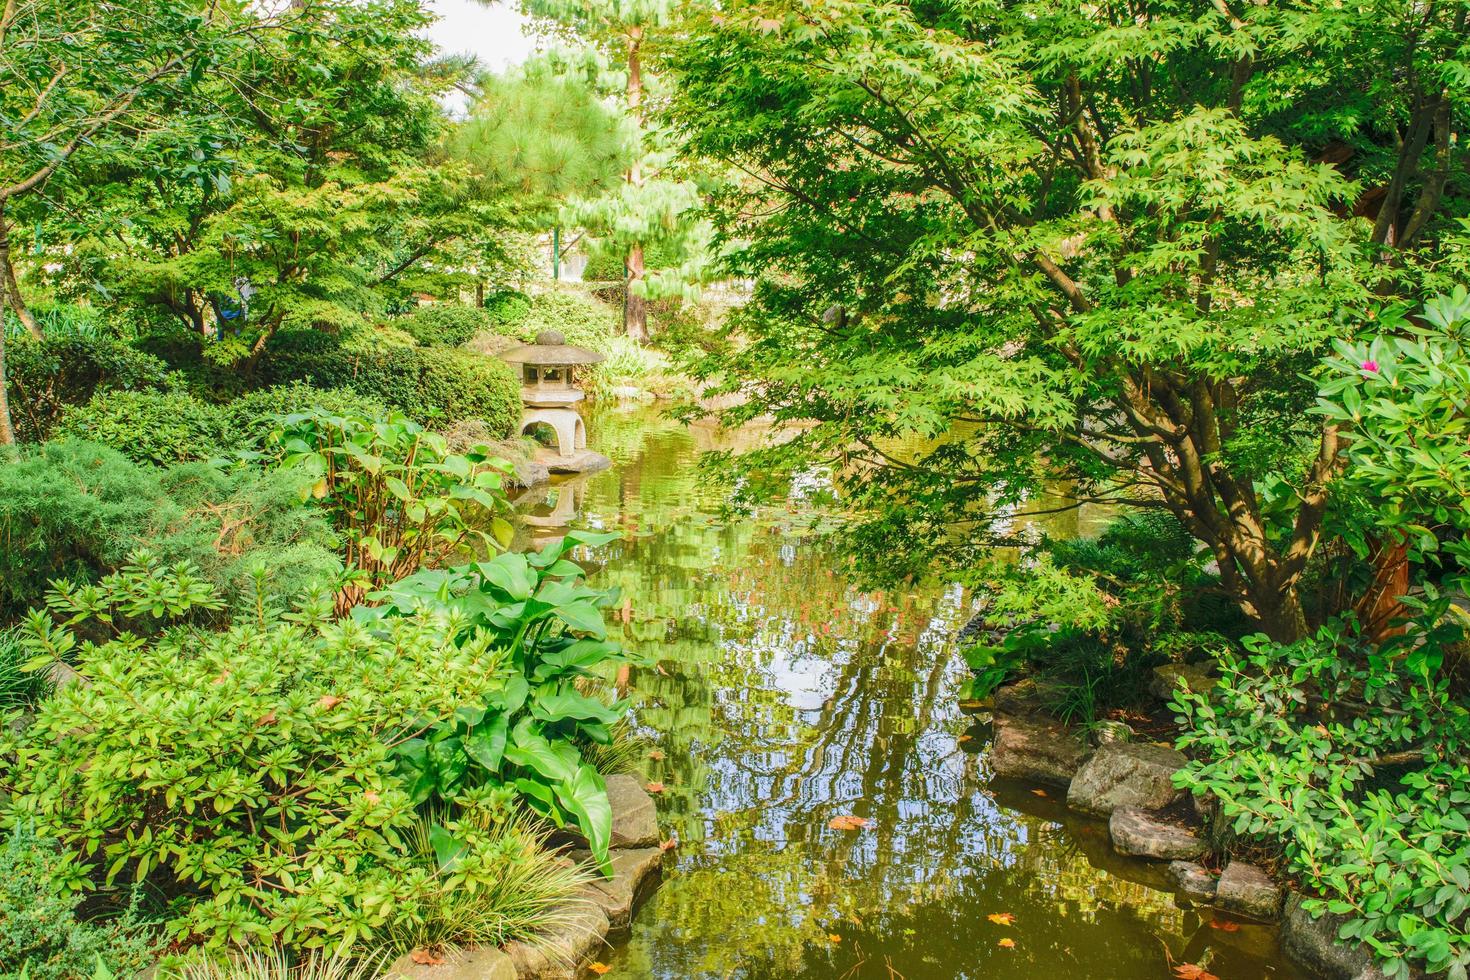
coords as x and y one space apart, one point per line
1370 366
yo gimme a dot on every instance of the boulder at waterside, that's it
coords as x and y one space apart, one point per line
618 895
459 964
1169 678
1312 943
1193 881
559 952
1043 752
1139 833
635 821
1247 890
1126 774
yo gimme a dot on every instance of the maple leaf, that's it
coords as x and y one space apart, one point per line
328 701
1038 792
656 755
655 787
598 968
669 844
1224 925
1002 918
1006 943
269 718
834 938
1191 971
424 957
848 823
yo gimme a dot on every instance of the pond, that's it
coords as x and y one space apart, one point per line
785 695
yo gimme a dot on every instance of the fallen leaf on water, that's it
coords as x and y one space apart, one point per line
835 938
848 823
655 787
669 844
656 755
598 968
966 738
1190 971
1224 925
1006 943
1002 918
425 958
328 701
1038 792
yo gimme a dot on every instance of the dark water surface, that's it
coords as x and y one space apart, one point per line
784 696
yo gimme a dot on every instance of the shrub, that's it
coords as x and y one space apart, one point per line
1351 760
248 773
159 427
399 498
507 308
19 688
445 325
40 937
428 385
252 417
44 376
101 506
584 321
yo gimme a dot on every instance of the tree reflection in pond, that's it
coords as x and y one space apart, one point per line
784 696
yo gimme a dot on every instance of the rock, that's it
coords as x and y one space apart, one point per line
1126 774
1109 731
1139 833
617 896
1313 944
461 964
1170 677
582 461
558 953
531 473
1193 881
62 674
634 819
1037 751
629 393
1247 890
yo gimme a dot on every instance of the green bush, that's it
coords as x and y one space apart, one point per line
252 417
159 427
584 321
45 376
249 773
40 937
444 325
430 385
99 506
1351 760
507 308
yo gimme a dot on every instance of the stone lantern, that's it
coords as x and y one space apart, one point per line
549 395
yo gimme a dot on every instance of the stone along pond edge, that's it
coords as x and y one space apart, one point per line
1131 786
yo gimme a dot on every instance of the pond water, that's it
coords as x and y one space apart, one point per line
785 695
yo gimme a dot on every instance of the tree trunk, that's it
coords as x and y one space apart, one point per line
7 432
635 307
8 283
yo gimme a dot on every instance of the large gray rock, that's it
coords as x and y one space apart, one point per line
617 896
1193 881
1139 833
1168 678
559 953
1126 774
1026 697
1313 944
1247 890
1043 752
460 964
635 821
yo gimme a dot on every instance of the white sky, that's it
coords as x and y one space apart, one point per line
493 34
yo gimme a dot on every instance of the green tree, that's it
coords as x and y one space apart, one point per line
1096 246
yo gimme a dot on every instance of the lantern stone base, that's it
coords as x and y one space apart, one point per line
582 461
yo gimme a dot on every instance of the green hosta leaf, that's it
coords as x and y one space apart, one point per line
561 705
585 798
512 574
486 745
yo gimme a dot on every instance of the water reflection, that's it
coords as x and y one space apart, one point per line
784 696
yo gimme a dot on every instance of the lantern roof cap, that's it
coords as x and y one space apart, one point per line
551 350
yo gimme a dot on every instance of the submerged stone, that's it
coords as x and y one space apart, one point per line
1044 752
619 895
1126 774
1139 833
1247 890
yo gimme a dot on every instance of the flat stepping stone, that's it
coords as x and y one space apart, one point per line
1193 881
619 895
460 964
558 953
1139 833
1035 751
1246 890
1126 774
